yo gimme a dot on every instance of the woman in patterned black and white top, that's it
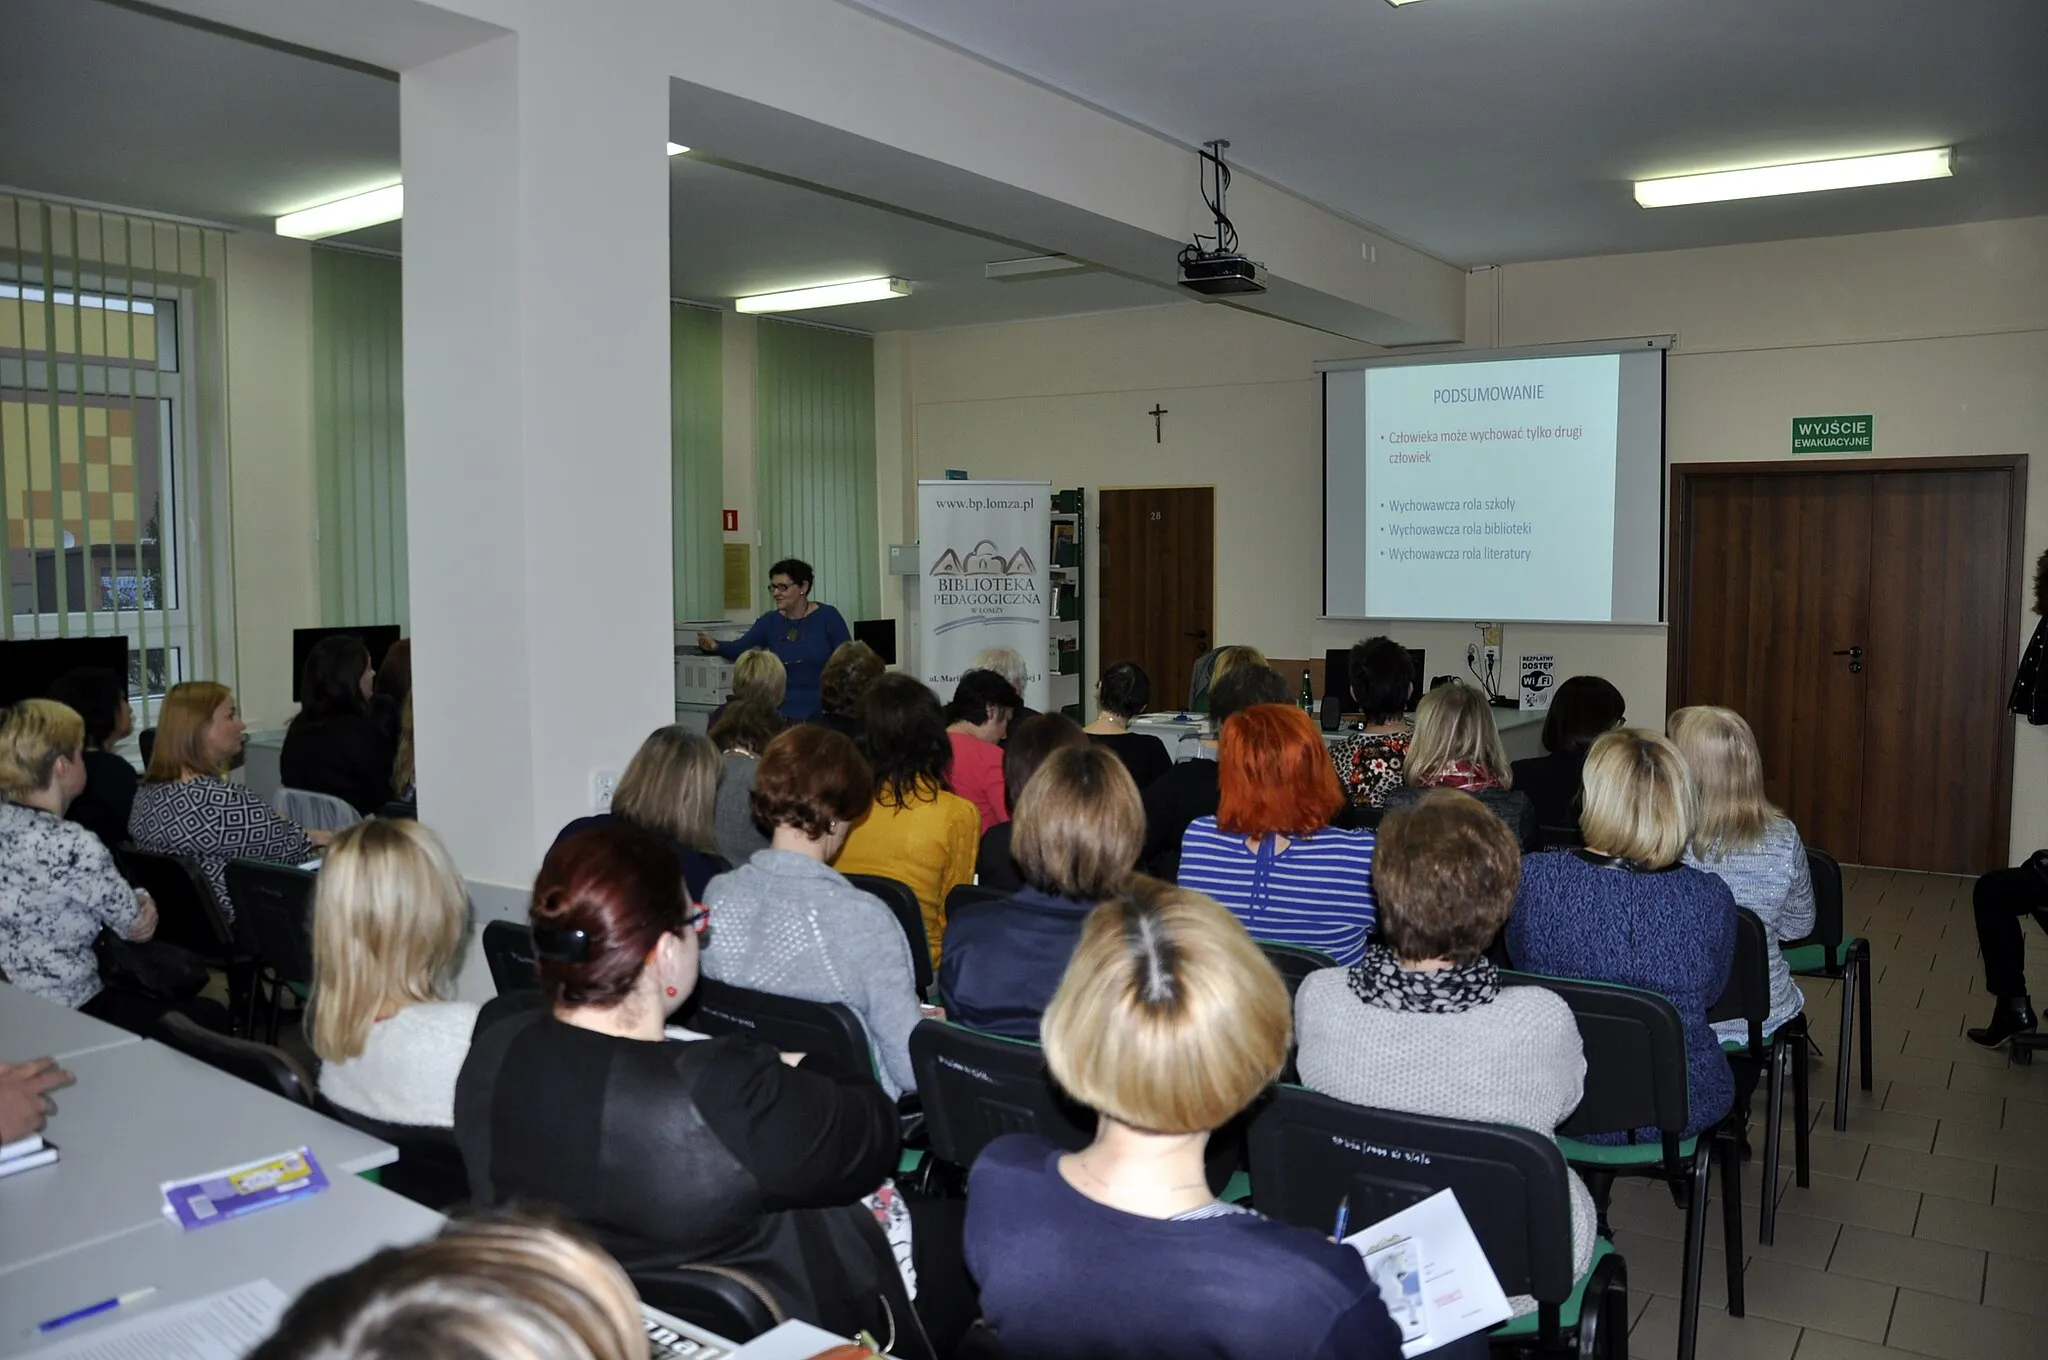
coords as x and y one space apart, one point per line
58 884
184 807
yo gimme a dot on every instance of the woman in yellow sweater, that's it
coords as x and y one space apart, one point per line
917 833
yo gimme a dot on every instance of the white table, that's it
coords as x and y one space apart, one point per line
142 1114
1521 733
31 1027
292 1245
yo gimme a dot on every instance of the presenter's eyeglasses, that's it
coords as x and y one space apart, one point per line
781 587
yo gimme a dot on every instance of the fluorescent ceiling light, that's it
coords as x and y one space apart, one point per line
829 295
345 214
676 148
1398 3
1853 172
1034 267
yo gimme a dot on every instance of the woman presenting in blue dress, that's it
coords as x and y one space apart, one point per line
798 630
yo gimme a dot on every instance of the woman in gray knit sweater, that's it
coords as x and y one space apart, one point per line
1422 1024
788 923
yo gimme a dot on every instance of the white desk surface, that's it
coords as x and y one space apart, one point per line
1521 732
143 1114
31 1027
291 1245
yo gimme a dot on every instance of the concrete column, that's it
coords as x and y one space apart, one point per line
536 430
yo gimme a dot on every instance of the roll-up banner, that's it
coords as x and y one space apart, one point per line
982 549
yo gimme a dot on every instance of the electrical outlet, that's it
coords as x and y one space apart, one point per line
603 784
1492 652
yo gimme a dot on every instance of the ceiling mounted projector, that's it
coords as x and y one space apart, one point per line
1220 276
1211 265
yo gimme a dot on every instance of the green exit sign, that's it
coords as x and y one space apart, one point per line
1831 434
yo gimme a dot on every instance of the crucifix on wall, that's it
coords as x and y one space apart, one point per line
1158 431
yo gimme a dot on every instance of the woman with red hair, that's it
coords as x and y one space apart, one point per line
1270 853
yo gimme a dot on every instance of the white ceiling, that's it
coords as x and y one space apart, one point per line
109 105
1489 131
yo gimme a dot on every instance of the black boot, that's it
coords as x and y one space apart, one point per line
2015 1015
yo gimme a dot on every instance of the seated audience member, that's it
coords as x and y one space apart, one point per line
58 884
1583 708
1031 741
1269 853
389 916
1369 763
1191 788
503 1288
977 722
393 685
789 924
404 781
1121 695
848 672
334 746
758 675
917 832
1423 1024
1457 746
25 1100
1078 830
670 787
741 734
711 1153
184 807
1625 909
1008 663
1168 1023
1231 658
100 697
1739 838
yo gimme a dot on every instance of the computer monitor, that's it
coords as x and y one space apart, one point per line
1337 677
377 638
879 634
29 665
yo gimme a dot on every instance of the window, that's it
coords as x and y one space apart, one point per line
106 455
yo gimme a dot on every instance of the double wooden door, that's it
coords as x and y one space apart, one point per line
1157 566
1864 617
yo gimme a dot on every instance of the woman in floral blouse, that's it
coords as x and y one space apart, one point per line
58 884
1369 762
184 807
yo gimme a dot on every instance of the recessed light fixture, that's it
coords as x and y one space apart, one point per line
676 148
1398 3
1034 267
827 295
345 214
1853 172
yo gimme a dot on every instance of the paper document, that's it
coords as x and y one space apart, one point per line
223 1326
671 1338
1432 1273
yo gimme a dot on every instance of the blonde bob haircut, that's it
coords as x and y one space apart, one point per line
503 1288
1233 658
1169 1018
1453 724
1727 777
671 785
181 723
1079 824
760 674
389 914
34 735
1638 802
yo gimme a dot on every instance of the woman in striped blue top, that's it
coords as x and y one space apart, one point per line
1270 853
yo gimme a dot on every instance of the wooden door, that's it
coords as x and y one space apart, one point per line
1157 566
1780 579
1901 754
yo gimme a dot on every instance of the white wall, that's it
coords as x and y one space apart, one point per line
273 527
1942 333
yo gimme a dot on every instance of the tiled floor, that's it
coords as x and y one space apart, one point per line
1925 1232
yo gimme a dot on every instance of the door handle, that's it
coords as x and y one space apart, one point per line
1201 633
1855 655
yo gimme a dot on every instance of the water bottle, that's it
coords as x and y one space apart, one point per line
1308 692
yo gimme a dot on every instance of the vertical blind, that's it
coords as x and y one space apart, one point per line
697 458
113 440
359 437
815 423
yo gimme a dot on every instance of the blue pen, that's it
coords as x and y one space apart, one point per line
1343 1217
94 1309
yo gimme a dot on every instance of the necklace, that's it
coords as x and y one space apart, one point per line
1082 1167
